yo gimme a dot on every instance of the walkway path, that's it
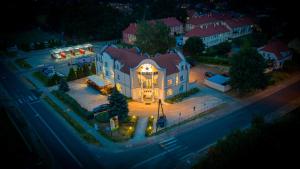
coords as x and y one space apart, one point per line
140 129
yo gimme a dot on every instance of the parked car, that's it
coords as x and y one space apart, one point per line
209 74
101 108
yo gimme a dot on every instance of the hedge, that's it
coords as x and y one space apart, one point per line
181 96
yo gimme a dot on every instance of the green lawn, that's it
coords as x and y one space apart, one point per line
22 63
42 78
85 135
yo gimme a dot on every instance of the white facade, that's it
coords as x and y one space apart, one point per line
147 81
270 56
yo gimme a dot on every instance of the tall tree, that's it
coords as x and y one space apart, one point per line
93 68
154 38
193 46
71 75
86 70
118 105
247 71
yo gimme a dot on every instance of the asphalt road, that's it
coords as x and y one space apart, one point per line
63 143
70 151
176 151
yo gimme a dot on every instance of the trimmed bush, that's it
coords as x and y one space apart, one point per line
150 124
181 96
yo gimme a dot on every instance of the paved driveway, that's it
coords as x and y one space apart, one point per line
86 96
197 72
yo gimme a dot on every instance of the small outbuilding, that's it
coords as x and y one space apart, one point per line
218 82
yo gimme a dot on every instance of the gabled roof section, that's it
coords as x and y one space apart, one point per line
207 31
239 22
128 58
169 61
278 48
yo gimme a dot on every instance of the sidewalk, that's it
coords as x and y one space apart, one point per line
140 130
228 109
106 143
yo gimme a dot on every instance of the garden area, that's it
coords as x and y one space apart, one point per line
125 130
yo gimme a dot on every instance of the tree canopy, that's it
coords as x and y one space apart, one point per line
118 105
193 46
154 38
63 85
247 71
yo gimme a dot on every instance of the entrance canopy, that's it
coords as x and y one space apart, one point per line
96 80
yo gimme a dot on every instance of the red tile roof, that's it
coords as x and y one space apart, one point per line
208 18
238 22
168 61
276 47
207 31
131 29
131 59
128 58
171 22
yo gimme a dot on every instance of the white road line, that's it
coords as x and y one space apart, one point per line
172 138
65 147
174 148
20 101
168 143
187 155
169 146
34 97
30 98
149 159
205 148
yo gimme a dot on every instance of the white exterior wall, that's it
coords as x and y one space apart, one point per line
217 86
278 64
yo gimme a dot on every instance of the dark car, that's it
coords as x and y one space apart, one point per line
209 74
101 108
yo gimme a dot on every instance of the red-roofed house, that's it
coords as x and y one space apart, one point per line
211 35
276 53
140 77
239 26
175 26
205 20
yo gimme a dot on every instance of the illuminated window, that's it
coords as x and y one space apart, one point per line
170 81
119 87
169 92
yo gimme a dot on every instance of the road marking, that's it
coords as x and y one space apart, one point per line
149 159
20 101
59 140
187 155
174 148
172 138
168 143
30 98
205 148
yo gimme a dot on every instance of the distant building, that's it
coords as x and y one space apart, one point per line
129 34
211 35
276 53
239 26
142 78
215 28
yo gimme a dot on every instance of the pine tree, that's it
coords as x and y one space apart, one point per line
71 75
63 85
79 72
93 68
118 105
86 70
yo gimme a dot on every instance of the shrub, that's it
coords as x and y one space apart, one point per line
181 96
150 125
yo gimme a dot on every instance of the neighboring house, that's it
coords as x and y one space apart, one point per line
205 20
176 27
218 82
143 78
216 28
211 35
276 53
239 26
